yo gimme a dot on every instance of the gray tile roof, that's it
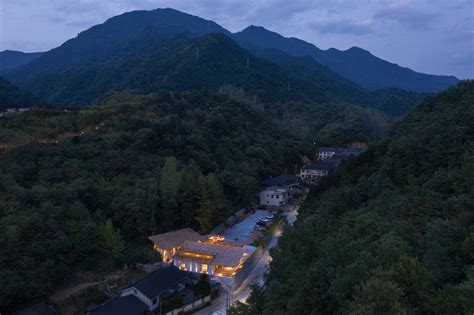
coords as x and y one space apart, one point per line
175 238
126 305
160 281
280 180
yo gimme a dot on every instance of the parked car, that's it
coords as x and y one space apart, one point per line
270 216
263 220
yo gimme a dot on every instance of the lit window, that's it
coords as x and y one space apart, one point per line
182 266
204 267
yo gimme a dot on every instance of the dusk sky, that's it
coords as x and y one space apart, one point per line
430 36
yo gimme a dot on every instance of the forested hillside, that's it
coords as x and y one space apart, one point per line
149 164
391 101
394 232
10 59
11 96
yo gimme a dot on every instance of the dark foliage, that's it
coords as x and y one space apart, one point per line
11 96
393 233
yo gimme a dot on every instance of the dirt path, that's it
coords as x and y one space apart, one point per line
63 294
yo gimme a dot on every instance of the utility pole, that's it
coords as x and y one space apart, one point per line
248 62
197 54
288 86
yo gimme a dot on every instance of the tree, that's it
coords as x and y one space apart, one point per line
111 239
189 193
378 296
169 189
211 206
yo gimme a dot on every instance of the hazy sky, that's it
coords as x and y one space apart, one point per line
431 36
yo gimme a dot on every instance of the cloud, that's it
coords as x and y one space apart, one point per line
406 15
343 27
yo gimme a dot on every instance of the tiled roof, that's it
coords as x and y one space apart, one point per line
223 253
175 238
159 281
327 149
125 305
279 180
319 166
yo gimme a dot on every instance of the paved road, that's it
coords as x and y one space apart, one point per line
256 276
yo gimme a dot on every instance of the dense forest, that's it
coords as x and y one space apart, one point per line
133 165
12 96
393 232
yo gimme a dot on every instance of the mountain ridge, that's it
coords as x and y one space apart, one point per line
343 63
10 59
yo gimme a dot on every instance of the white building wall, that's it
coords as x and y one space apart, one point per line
274 197
141 296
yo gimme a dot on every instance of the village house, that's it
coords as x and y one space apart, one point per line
312 173
274 196
284 181
146 294
212 254
324 153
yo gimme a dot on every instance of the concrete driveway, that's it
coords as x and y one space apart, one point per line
243 231
241 294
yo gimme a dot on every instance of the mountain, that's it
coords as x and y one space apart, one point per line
166 49
12 96
114 38
393 232
10 59
355 64
391 101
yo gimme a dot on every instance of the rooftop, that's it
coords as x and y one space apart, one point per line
175 238
276 189
323 166
129 305
283 179
229 254
160 281
328 149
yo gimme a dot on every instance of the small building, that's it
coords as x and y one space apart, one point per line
168 243
284 181
164 281
312 173
146 294
274 196
324 153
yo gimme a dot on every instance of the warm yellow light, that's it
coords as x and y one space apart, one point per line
191 254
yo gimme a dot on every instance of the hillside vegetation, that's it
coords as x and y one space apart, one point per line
155 163
393 233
